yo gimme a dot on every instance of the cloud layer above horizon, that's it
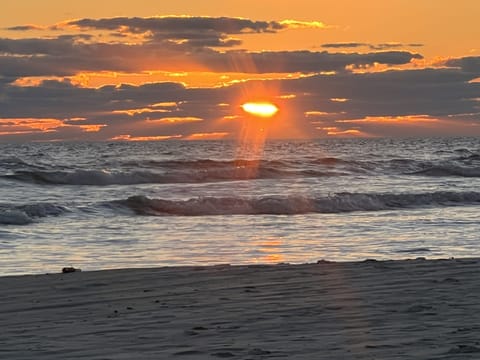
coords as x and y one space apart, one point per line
387 90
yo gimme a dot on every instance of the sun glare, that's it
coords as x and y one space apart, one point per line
262 109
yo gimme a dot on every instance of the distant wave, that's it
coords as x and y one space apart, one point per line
11 161
291 205
441 171
26 214
103 178
210 163
239 164
207 170
472 157
16 163
86 177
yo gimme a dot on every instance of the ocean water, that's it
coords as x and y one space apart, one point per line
124 204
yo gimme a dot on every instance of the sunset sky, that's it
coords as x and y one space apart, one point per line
154 70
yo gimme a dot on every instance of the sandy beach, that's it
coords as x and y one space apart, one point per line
412 309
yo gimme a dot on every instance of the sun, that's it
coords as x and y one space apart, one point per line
262 109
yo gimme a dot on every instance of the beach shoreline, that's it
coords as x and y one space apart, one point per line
398 309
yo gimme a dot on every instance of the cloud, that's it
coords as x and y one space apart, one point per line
164 39
172 43
190 31
436 92
392 45
295 24
343 45
25 28
301 61
207 136
176 25
381 46
127 137
186 27
66 56
469 64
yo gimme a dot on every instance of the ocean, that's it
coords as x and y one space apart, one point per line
146 204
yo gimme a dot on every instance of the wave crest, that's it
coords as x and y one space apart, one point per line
26 214
291 205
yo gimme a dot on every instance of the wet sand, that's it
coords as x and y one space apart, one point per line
412 309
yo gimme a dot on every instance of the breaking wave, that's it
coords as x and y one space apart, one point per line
26 214
290 205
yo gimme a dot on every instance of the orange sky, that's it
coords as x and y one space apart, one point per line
423 57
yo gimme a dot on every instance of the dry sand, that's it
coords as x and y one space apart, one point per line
412 309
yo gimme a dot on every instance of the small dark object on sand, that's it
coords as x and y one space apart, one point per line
323 262
70 269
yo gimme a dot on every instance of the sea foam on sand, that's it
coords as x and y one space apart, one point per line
411 309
